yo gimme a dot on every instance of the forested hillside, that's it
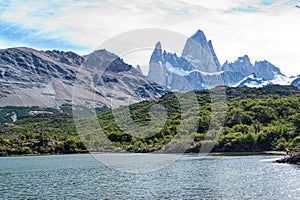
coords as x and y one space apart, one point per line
255 120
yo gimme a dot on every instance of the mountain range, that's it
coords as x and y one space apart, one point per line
30 77
199 68
53 78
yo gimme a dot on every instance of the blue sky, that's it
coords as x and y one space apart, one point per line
18 35
13 32
268 2
263 29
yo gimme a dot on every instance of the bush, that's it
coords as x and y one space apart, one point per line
241 128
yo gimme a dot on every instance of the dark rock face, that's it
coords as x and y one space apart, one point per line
198 68
104 60
28 65
290 160
50 78
68 58
293 157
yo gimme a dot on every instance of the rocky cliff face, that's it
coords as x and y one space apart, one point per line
51 78
266 70
200 53
243 73
242 65
198 68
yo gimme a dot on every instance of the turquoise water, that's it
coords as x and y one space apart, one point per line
190 177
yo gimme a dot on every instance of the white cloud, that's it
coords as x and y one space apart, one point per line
272 33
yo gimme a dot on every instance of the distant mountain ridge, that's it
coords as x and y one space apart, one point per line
52 78
198 68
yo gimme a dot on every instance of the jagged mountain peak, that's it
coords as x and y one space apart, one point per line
265 73
158 45
199 63
266 69
218 66
200 53
242 65
183 73
157 54
199 37
263 62
244 59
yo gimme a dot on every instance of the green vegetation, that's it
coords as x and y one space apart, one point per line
256 120
43 133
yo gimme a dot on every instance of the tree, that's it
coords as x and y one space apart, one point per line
264 114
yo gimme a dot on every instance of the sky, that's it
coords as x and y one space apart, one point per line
263 29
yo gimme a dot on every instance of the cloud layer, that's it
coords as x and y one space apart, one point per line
263 29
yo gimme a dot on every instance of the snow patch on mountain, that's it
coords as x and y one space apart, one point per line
253 81
247 81
176 70
283 80
182 72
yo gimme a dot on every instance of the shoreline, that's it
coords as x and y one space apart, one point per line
270 153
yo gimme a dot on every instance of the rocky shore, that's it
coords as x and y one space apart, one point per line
290 160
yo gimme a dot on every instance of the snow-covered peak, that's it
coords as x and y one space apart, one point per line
199 63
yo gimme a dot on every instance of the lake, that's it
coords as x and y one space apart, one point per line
188 177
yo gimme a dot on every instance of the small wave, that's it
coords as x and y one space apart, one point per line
270 159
